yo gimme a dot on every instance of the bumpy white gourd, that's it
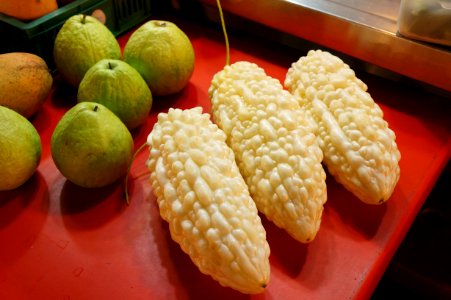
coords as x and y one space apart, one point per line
274 146
358 146
203 197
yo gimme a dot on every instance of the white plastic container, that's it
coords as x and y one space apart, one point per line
426 20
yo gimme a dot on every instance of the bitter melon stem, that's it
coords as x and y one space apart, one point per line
221 16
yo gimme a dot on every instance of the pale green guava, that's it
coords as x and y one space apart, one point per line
91 146
80 43
20 149
163 55
120 88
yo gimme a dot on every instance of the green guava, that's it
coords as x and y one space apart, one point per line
91 146
20 149
80 43
163 55
120 88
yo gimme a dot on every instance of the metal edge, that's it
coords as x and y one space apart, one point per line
375 45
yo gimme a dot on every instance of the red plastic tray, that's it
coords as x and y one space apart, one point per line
59 241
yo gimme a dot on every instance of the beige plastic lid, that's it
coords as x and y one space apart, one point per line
426 20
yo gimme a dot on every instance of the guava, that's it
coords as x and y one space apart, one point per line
20 149
120 88
80 43
91 146
163 54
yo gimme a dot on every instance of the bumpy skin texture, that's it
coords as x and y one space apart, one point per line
203 197
274 145
359 148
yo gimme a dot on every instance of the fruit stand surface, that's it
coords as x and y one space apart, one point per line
60 241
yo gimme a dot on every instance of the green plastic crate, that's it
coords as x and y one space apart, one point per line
38 36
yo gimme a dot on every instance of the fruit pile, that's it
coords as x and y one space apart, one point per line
91 145
25 84
264 153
